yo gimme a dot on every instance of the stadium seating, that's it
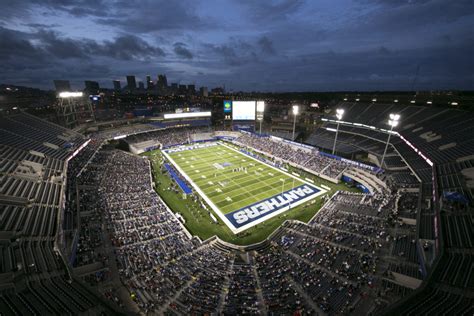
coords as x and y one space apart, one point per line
69 224
34 279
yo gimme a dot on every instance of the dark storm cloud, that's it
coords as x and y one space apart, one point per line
234 53
153 15
38 58
237 52
18 46
126 47
181 50
61 47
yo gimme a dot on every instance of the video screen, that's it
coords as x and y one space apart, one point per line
227 106
243 110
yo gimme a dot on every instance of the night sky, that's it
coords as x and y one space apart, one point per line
284 45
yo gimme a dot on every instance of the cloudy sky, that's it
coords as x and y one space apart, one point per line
280 45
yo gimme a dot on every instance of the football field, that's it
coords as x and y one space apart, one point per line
241 190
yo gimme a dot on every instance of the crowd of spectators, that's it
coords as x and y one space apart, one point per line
306 158
168 137
331 265
334 264
338 258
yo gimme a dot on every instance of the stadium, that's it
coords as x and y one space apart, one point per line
368 214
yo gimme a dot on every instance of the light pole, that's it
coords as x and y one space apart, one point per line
295 112
393 121
339 114
260 110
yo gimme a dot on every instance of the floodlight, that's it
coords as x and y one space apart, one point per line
260 106
454 103
70 94
374 100
357 100
392 123
339 113
295 109
394 117
345 99
395 101
412 101
429 102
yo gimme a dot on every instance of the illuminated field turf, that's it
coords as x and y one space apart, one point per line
241 190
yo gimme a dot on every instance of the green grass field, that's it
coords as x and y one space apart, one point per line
256 183
230 180
198 221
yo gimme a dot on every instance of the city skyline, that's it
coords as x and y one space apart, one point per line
282 45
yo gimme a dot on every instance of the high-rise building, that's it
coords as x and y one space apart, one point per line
92 87
131 83
203 91
117 85
191 89
62 85
141 85
149 82
162 82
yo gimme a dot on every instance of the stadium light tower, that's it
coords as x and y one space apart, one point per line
393 122
339 114
73 108
295 112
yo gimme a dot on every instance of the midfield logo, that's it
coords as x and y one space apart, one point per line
263 208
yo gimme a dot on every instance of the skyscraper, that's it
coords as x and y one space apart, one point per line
191 89
92 87
117 85
131 83
141 85
162 81
149 83
203 91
